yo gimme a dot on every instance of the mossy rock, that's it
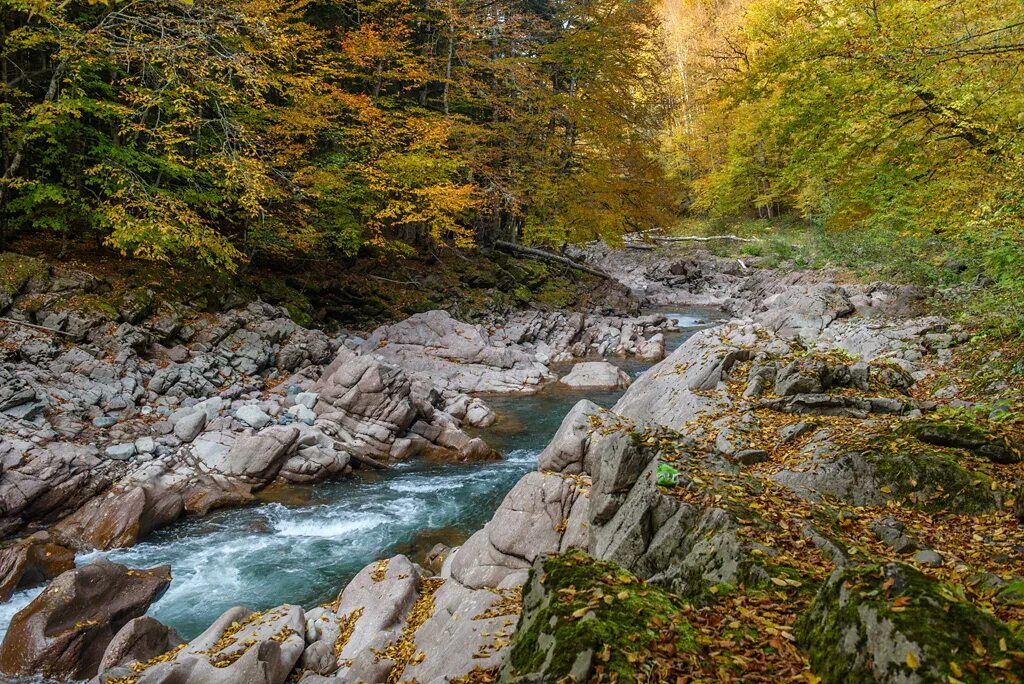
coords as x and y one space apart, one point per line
587 620
932 480
16 271
891 623
978 436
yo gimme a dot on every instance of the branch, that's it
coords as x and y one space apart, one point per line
548 256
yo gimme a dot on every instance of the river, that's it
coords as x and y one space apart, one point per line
303 544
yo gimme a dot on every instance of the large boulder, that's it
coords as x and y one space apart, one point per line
64 632
456 356
567 451
139 641
240 646
32 561
370 614
255 458
596 375
543 513
893 624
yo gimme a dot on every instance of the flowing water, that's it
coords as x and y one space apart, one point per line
302 544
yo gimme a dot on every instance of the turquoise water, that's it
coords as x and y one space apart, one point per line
305 544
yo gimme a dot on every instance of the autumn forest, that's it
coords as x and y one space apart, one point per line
219 131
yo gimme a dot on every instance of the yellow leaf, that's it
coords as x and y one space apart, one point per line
954 667
912 661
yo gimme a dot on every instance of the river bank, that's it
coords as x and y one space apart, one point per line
796 400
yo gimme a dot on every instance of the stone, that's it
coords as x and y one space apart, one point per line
104 421
64 632
120 452
307 399
145 445
928 557
596 375
240 646
302 413
568 448
253 416
189 426
256 458
138 641
751 457
32 561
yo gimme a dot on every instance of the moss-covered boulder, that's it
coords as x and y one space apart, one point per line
981 437
588 620
891 623
16 271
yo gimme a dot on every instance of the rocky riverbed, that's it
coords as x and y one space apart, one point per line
789 486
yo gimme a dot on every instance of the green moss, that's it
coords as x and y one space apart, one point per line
593 606
15 271
931 479
865 621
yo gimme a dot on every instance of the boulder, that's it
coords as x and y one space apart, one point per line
369 615
253 416
255 458
568 449
596 375
28 562
894 624
64 632
543 513
240 646
138 641
455 356
188 427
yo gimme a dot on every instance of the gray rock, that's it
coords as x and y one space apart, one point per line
104 421
567 450
120 452
145 445
307 399
253 416
928 557
596 375
188 427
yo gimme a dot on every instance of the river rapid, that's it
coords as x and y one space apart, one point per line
303 544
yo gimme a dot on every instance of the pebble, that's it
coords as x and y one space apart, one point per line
104 421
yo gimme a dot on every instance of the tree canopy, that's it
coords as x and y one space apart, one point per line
216 131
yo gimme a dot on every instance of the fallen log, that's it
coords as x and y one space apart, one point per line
698 238
548 256
36 327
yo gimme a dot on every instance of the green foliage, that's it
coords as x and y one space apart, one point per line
893 126
216 131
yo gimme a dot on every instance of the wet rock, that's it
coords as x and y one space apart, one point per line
32 561
120 518
596 375
138 641
65 630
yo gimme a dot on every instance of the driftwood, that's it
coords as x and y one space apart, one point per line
548 256
36 327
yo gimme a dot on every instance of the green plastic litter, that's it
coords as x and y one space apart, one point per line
667 475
